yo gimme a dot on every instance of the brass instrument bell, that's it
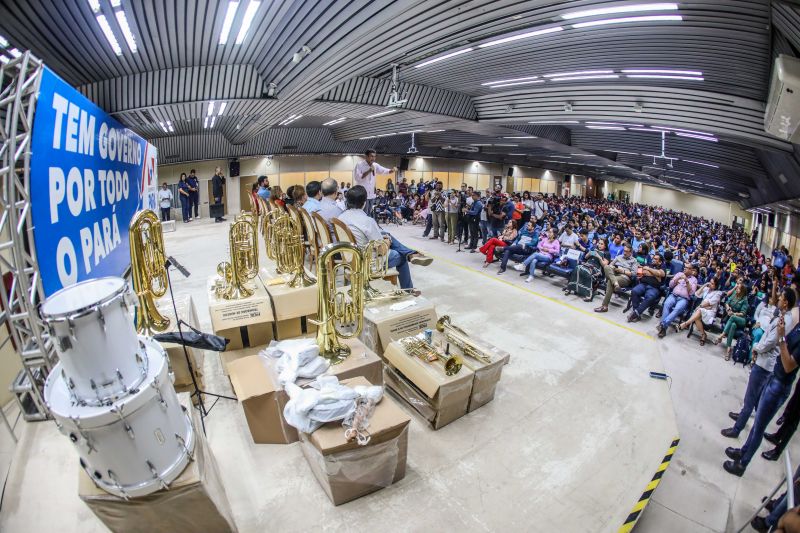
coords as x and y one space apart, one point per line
148 270
459 337
420 349
243 265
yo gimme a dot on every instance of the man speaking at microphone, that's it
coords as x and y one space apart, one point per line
364 175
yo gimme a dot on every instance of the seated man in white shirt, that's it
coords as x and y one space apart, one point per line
365 229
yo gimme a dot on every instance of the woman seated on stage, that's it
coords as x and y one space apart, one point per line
506 238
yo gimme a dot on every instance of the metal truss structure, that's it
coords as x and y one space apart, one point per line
21 291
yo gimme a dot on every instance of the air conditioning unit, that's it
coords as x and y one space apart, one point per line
782 117
469 149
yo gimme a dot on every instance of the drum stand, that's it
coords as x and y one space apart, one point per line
198 392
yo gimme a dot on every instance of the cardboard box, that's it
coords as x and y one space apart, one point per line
255 383
290 302
246 322
195 501
347 471
446 396
228 356
177 359
383 325
487 375
288 328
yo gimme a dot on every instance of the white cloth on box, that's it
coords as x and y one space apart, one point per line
297 358
326 401
405 304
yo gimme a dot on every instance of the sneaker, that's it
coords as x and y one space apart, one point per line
419 259
190 219
519 267
528 279
501 271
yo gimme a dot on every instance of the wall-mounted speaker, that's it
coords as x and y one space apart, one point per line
510 172
771 220
233 168
403 163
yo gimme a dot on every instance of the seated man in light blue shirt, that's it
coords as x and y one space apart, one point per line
313 191
263 188
328 207
365 229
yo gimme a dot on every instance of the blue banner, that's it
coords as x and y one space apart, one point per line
89 175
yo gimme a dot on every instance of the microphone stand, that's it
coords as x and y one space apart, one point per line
198 392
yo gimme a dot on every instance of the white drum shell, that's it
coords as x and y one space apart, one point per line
96 342
161 434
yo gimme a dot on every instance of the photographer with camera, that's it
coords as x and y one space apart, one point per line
495 214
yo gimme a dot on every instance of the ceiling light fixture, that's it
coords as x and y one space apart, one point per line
613 124
521 36
230 14
4 59
442 58
290 119
249 14
578 73
116 3
335 121
663 77
93 4
497 144
122 20
517 154
3 42
382 113
436 131
605 127
475 144
662 71
511 80
682 130
163 126
624 20
693 136
620 9
645 129
699 163
521 137
222 106
554 122
410 131
213 120
516 83
574 78
14 52
210 108
112 40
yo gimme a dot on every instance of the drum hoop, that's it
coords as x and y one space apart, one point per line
144 368
86 310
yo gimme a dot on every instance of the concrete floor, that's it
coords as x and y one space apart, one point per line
575 433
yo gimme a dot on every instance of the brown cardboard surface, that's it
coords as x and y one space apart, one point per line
487 375
226 314
292 303
177 358
262 400
347 471
228 356
289 328
430 378
402 387
257 335
195 501
382 325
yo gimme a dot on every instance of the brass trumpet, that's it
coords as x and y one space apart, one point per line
459 337
243 265
339 307
289 251
376 264
420 349
148 270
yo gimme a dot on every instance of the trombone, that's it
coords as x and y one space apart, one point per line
339 307
148 270
455 335
416 347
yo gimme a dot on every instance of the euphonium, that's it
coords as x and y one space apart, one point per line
420 349
338 306
148 270
376 264
243 265
459 337
290 252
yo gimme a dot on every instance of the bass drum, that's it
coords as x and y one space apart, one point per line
93 333
135 446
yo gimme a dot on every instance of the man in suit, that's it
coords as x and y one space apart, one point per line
217 190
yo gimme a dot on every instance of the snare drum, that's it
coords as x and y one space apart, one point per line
93 333
137 445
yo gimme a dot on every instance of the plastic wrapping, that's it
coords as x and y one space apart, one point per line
326 401
351 474
296 358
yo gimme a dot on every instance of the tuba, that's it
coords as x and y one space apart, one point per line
339 307
459 337
290 251
376 264
416 347
148 270
243 265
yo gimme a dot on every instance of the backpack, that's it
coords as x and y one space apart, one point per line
742 350
581 281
